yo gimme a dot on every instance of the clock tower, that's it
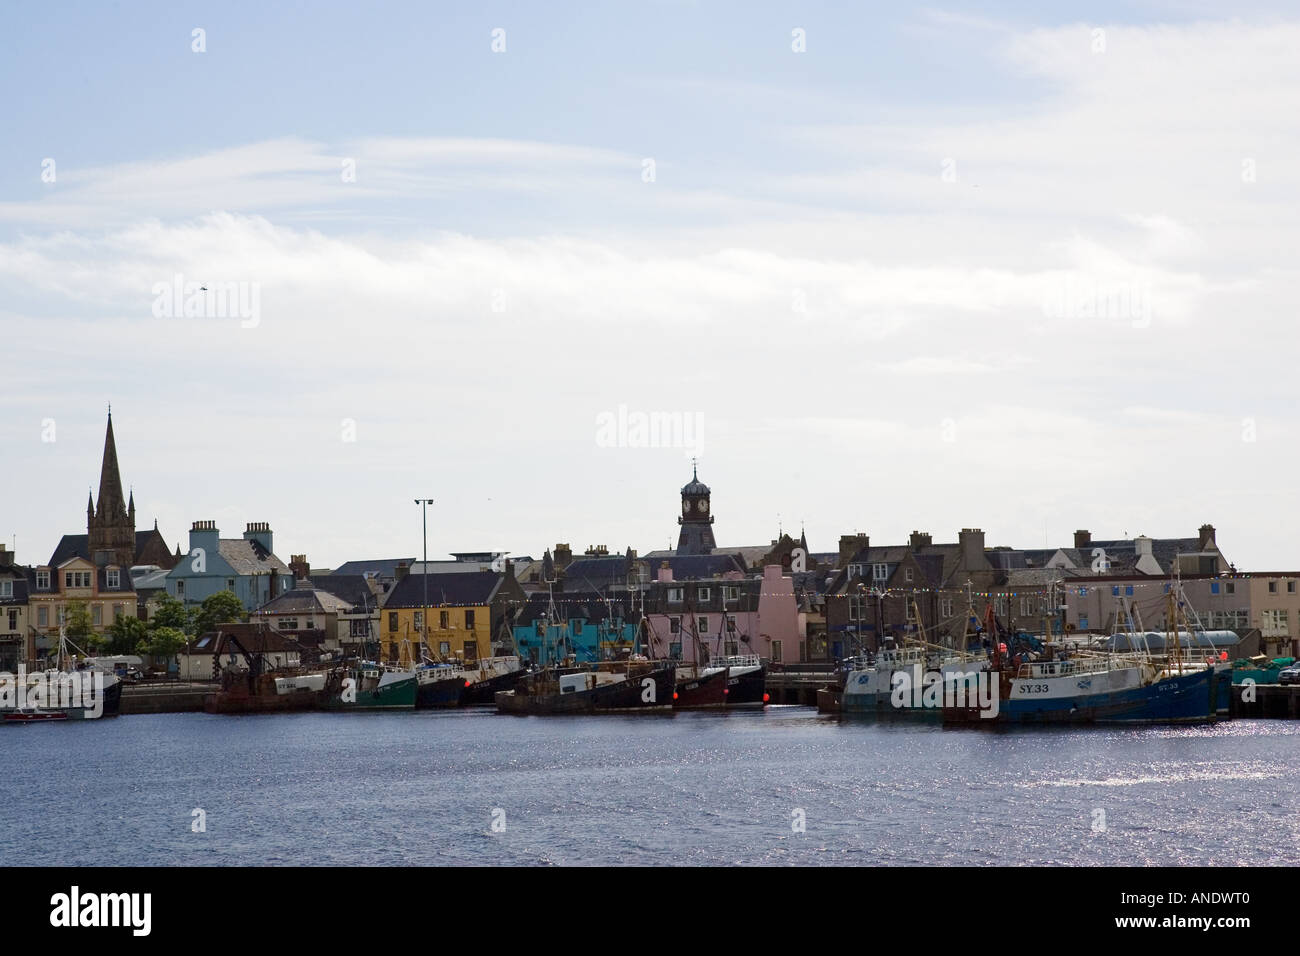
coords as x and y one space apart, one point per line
696 519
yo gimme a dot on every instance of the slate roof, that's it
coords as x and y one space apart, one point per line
585 606
24 581
475 589
78 546
256 638
380 567
351 588
304 600
249 557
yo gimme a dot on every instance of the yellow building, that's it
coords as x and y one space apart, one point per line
466 611
106 591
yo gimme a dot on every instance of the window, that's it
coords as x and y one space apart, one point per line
1083 621
97 615
880 572
13 619
76 579
675 651
733 648
180 590
42 616
392 621
853 610
444 620
1231 588
1000 605
703 625
117 611
230 584
419 621
42 580
703 594
1128 591
730 593
1272 587
576 627
113 578
311 624
444 648
674 595
469 620
1290 587
674 625
288 624
856 571
358 628
907 575
471 651
731 624
1214 587
945 607
6 588
1024 607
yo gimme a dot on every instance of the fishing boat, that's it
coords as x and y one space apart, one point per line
633 685
737 681
368 685
1081 686
66 691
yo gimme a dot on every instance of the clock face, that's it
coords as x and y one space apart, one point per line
686 507
703 506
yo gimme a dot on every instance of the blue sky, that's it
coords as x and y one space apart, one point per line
869 269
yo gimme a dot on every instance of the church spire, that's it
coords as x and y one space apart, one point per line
110 504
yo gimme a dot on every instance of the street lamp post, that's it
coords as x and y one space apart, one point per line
424 573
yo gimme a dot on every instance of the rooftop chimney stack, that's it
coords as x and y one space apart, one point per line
1082 539
1207 538
851 544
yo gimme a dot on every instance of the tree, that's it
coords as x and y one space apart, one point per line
127 635
78 626
172 613
220 608
165 642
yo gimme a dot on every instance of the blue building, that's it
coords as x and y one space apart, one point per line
586 625
248 566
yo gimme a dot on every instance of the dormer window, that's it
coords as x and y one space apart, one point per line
6 588
880 572
674 595
113 578
42 580
704 594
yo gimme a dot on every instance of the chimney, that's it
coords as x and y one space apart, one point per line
1082 539
1207 542
300 568
563 556
6 557
920 539
402 570
851 544
204 536
972 546
665 572
260 532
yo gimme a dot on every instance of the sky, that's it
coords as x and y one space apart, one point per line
1026 267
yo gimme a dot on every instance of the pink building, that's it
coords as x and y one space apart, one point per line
700 619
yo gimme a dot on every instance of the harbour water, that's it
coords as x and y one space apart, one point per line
685 788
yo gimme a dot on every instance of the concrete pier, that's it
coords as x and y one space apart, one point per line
1271 700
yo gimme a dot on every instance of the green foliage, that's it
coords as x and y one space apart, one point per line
172 613
127 635
220 608
165 641
77 624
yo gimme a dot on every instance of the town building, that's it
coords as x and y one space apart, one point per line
247 566
15 641
469 616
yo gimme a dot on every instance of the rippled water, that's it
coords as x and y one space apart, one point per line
421 788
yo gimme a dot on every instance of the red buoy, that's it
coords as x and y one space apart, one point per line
766 698
674 695
467 683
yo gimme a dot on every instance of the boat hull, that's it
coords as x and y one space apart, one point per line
1191 698
726 687
647 691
